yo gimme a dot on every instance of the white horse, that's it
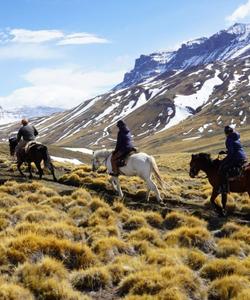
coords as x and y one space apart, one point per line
138 164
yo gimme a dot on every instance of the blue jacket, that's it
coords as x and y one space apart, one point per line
235 151
124 140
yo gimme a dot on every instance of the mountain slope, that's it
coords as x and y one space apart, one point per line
174 106
222 46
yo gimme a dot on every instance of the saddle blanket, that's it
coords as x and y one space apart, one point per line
30 144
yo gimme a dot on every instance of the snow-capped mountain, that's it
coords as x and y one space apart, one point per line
186 103
222 46
15 114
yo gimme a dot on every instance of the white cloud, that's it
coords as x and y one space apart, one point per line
61 87
26 36
81 39
34 36
240 13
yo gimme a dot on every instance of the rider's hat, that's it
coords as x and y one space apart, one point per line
120 124
25 121
228 129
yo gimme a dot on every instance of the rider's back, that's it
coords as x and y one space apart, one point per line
28 133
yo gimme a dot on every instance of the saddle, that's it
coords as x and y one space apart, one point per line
238 171
30 145
122 161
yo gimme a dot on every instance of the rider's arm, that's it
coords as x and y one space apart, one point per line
119 141
35 131
19 135
230 149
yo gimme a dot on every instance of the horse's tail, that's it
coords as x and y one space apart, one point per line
46 157
156 172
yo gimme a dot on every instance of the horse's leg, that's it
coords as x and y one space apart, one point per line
212 200
152 186
19 168
147 194
117 183
52 170
39 169
29 168
224 203
113 184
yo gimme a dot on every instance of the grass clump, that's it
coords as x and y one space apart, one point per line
146 234
228 247
221 267
134 222
108 248
227 287
197 237
177 219
139 283
73 255
92 279
11 291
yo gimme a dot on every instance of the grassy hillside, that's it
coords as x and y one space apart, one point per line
89 245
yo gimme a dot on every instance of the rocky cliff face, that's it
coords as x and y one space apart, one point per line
222 46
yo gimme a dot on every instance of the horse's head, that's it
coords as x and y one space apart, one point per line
99 158
198 162
12 144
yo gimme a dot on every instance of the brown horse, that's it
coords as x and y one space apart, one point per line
239 184
36 154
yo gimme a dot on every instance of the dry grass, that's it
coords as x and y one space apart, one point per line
227 287
190 237
80 247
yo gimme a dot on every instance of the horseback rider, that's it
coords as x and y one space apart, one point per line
25 134
235 159
123 146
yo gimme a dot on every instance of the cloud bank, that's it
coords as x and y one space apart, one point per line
240 13
63 87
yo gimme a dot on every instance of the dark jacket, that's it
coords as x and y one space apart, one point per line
27 132
124 140
235 152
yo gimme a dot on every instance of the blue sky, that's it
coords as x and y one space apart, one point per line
61 52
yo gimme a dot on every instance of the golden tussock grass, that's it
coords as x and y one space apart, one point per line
227 287
73 255
243 295
97 203
60 230
11 291
228 229
222 267
143 282
108 248
177 219
172 294
92 279
134 222
146 234
98 232
185 280
82 195
142 297
154 219
243 234
163 257
102 216
198 237
228 247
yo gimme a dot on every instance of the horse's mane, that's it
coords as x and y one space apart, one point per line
207 157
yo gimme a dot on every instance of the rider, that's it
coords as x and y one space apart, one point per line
123 146
236 157
25 134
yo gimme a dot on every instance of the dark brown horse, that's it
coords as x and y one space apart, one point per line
239 184
36 154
